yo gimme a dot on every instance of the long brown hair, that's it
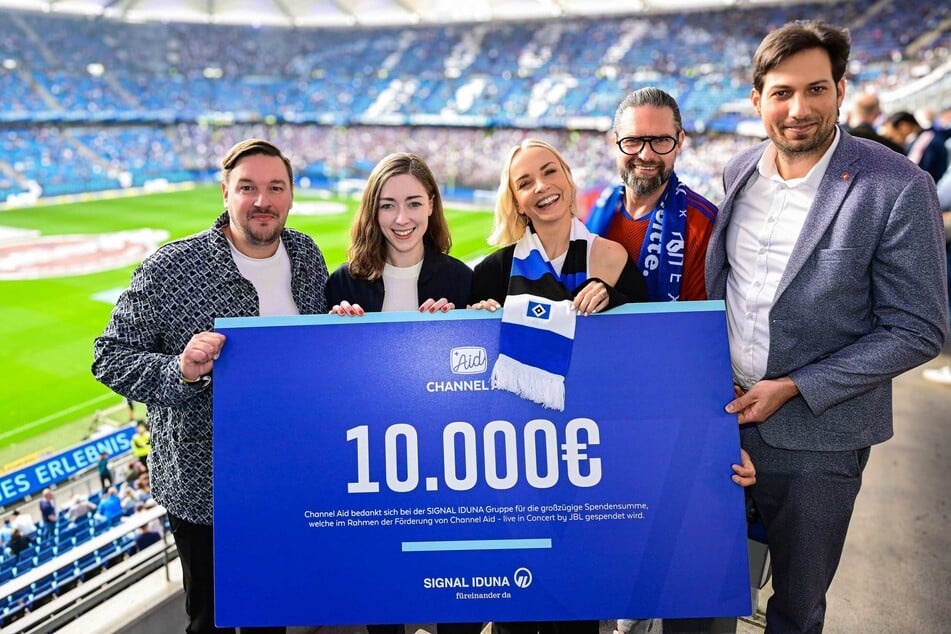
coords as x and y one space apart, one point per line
367 253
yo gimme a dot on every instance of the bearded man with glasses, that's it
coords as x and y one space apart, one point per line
661 222
665 226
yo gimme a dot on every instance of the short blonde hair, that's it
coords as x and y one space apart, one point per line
508 225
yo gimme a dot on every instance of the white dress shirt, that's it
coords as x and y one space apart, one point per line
768 216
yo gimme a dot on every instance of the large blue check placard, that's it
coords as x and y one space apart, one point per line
366 472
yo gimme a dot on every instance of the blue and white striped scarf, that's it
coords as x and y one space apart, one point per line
538 320
661 258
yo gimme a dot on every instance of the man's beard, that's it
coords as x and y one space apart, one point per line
261 237
806 146
264 238
642 185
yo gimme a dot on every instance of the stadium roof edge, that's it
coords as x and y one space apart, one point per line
360 13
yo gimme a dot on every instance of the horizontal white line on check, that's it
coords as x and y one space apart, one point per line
477 544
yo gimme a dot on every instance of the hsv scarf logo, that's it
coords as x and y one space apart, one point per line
538 319
538 310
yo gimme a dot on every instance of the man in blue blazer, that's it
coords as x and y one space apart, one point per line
829 252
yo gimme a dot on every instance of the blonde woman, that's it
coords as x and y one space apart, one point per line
537 198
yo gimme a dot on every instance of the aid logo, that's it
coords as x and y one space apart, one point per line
468 360
522 577
61 256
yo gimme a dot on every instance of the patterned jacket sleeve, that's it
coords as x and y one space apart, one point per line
133 356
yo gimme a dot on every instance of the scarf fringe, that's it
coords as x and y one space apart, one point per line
529 382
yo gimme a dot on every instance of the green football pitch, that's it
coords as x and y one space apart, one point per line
48 397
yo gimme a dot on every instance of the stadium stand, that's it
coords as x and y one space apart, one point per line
75 552
96 104
49 594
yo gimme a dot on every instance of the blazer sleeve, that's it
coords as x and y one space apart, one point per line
462 284
447 277
133 356
630 284
343 286
907 298
336 288
490 279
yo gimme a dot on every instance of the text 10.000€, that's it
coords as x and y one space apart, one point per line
540 444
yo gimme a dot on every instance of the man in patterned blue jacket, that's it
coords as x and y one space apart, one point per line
159 347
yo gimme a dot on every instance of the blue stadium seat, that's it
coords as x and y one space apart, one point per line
24 565
110 553
41 590
89 566
66 536
20 600
28 553
127 543
46 554
13 609
82 537
64 578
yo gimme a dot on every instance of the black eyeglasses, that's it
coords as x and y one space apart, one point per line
632 145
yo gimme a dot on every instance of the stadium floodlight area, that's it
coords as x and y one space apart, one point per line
349 13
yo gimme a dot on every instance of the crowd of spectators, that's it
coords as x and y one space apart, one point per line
495 73
190 69
168 99
466 158
22 535
27 544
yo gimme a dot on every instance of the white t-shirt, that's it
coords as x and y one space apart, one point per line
272 280
400 287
